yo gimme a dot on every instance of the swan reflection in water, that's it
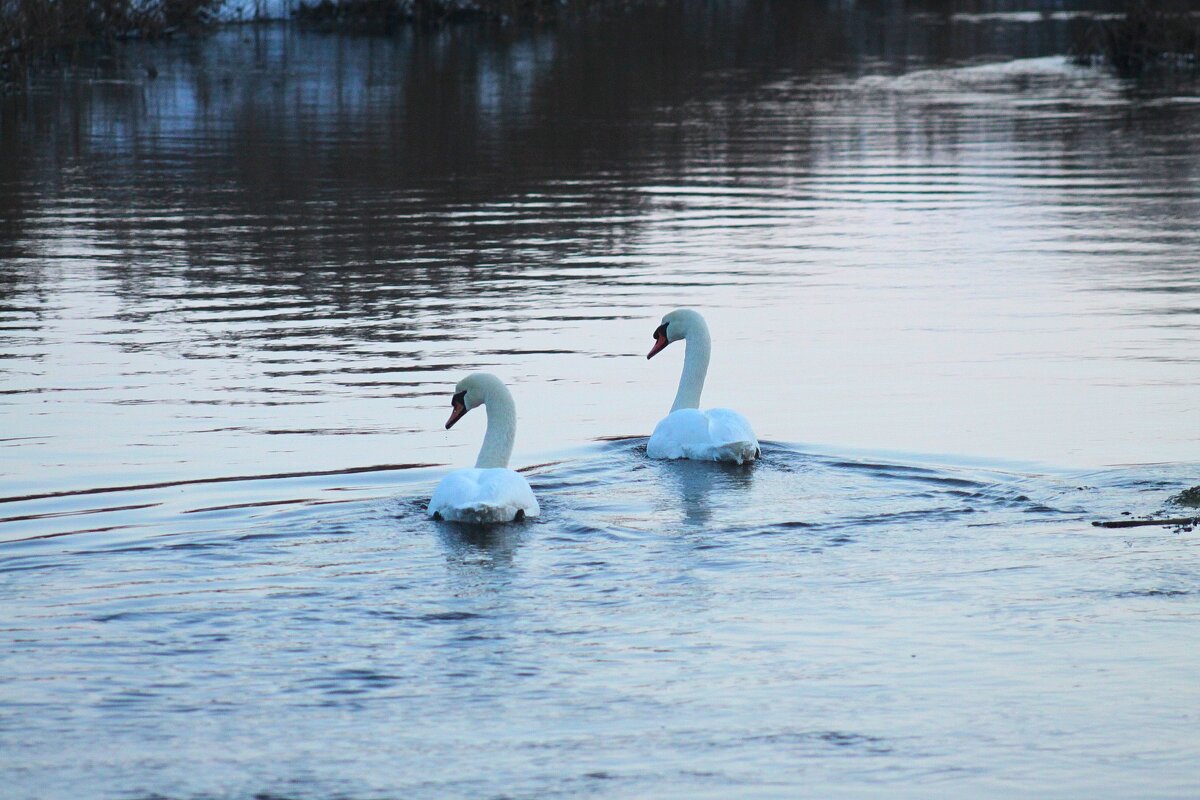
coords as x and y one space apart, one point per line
699 491
475 550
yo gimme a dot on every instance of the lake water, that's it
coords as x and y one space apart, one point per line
952 279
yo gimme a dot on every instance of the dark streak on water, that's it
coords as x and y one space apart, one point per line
226 291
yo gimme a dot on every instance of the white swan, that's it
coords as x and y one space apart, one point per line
718 434
490 492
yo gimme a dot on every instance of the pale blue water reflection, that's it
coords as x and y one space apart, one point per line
234 300
838 624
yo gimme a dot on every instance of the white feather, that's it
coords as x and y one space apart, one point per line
483 496
718 434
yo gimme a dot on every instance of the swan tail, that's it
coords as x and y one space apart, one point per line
733 438
741 452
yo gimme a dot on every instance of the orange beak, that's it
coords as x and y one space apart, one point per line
457 412
660 341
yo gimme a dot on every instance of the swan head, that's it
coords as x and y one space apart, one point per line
471 392
675 326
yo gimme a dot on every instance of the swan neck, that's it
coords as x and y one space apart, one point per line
501 431
695 367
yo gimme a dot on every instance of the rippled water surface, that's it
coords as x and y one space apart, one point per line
234 299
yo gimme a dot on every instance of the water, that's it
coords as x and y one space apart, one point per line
839 624
236 298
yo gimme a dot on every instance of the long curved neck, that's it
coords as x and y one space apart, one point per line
695 367
501 430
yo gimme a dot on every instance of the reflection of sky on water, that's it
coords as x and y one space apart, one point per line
815 621
274 261
287 247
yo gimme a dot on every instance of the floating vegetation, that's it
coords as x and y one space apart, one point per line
1188 497
1184 524
1149 34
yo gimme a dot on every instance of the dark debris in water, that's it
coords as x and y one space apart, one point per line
1184 524
1188 497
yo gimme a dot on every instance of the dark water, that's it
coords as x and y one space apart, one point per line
234 300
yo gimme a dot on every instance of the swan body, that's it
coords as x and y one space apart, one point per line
490 491
718 434
483 496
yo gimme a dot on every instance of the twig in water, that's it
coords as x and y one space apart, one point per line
1137 523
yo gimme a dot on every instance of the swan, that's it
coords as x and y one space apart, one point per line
718 434
490 491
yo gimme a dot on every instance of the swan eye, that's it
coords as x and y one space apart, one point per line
460 399
661 330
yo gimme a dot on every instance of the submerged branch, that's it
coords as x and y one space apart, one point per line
1139 523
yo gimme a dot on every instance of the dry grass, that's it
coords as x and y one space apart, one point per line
1149 34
